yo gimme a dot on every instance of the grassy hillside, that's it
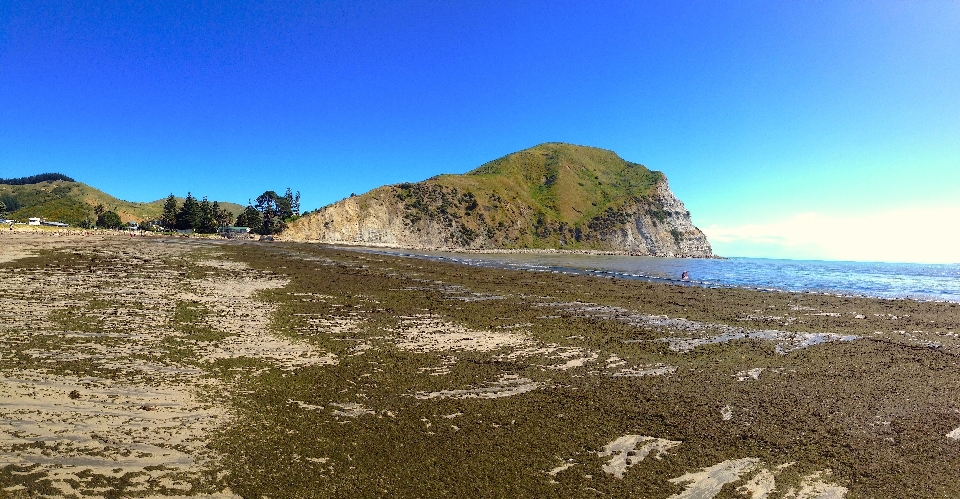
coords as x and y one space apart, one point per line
73 202
549 195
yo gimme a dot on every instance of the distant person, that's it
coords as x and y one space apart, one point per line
685 276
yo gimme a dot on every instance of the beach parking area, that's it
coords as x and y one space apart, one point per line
152 366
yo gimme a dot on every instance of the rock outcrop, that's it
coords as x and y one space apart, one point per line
553 196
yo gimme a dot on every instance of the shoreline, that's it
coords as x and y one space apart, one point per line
605 273
494 251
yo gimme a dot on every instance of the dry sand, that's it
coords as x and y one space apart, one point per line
147 418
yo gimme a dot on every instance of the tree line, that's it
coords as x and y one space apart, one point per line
36 179
269 215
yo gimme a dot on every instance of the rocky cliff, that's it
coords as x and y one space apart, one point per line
553 196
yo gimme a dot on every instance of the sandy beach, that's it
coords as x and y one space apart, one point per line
161 367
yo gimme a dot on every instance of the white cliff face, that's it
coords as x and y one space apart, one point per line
666 233
658 226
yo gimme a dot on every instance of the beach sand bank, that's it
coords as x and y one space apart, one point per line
151 366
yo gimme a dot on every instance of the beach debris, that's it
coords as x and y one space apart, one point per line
350 410
567 357
786 341
429 333
749 374
325 324
658 369
508 385
726 413
305 406
760 486
560 468
813 487
444 368
629 450
708 482
615 361
704 333
955 434
575 362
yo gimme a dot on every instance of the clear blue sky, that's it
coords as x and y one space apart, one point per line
760 113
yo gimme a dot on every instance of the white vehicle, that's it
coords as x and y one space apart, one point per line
33 221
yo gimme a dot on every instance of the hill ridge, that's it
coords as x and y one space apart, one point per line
72 202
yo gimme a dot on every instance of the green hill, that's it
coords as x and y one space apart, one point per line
73 202
556 189
550 196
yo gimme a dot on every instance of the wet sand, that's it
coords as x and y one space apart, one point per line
143 367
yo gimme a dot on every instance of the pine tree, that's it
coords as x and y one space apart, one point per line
292 203
222 217
207 222
169 217
189 215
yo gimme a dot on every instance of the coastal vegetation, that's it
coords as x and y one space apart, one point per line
36 179
271 213
56 197
202 217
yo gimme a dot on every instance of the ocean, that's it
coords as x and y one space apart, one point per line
928 282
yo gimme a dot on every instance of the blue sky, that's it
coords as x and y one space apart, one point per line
765 116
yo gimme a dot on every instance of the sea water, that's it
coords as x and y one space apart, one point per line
938 282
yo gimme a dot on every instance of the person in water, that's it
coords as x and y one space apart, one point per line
685 276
